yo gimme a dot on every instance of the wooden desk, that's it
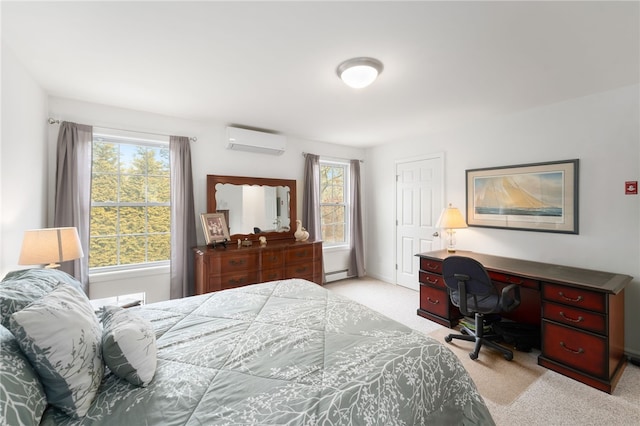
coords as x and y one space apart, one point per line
580 311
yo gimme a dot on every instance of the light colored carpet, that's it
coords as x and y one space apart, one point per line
497 379
525 395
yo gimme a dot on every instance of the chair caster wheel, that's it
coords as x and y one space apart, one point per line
448 338
473 356
508 357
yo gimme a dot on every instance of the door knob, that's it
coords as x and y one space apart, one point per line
435 234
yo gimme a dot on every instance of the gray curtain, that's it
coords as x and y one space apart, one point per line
311 197
183 227
73 191
356 264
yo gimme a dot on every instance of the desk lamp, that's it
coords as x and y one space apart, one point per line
50 245
450 220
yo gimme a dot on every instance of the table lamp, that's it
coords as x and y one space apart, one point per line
50 245
450 220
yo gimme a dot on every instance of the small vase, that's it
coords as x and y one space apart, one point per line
301 234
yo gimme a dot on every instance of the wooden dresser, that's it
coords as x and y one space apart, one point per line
222 268
580 312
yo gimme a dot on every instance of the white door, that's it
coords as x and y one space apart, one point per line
419 201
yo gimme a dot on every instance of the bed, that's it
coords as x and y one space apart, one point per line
284 352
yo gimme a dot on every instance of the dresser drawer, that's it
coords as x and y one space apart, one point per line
238 279
511 279
272 259
271 275
577 349
238 262
434 300
432 280
301 270
576 297
303 253
430 265
575 317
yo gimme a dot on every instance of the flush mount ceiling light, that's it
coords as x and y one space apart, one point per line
359 72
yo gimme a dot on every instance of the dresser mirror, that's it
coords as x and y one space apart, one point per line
254 207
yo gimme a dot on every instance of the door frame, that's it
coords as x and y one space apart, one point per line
434 156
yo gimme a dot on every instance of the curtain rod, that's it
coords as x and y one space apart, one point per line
304 154
54 121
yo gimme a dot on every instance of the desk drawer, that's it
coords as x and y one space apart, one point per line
432 280
576 297
434 300
575 317
430 265
512 279
580 350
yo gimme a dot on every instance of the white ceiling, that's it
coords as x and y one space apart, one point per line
271 65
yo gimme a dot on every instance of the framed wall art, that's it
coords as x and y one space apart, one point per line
215 228
531 197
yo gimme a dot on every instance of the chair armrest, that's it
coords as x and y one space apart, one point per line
511 288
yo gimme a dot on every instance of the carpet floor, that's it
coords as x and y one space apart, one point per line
518 392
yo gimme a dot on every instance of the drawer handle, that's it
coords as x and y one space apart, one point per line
432 266
580 318
301 270
579 351
578 299
511 280
233 262
301 254
432 280
235 282
433 302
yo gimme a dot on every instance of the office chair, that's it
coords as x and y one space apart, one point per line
472 291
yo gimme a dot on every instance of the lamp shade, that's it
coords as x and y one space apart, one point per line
359 72
451 218
50 245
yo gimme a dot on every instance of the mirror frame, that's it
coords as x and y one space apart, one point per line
213 180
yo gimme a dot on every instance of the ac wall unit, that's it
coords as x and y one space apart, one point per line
254 141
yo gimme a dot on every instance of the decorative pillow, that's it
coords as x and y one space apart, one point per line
60 335
19 288
18 384
128 345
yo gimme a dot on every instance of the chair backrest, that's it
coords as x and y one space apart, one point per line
478 282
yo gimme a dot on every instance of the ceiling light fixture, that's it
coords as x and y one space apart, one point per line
359 72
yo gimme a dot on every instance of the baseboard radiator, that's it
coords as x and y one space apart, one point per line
336 275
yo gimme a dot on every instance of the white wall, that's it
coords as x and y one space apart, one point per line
209 156
601 130
23 159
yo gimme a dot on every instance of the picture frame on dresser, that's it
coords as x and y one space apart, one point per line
539 197
215 228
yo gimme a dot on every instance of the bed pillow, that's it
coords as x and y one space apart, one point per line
20 288
61 337
19 384
128 345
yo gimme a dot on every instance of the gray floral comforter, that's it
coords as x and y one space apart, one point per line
287 353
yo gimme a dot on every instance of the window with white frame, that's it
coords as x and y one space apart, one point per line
130 202
334 202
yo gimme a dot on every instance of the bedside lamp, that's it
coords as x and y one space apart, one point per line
451 219
50 245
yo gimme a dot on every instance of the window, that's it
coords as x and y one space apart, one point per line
334 206
130 202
